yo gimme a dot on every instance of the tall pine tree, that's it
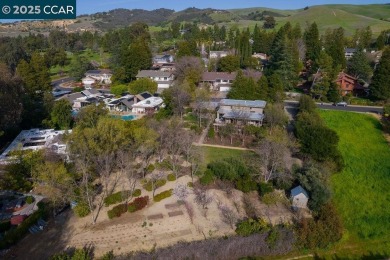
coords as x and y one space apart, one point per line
380 86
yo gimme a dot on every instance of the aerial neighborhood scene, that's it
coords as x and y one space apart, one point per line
196 130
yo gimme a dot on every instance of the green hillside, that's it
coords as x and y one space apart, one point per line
376 11
328 17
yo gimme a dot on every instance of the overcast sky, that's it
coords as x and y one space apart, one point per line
93 6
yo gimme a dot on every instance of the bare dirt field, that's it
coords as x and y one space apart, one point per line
160 224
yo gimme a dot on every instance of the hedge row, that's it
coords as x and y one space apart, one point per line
163 195
117 211
120 196
138 204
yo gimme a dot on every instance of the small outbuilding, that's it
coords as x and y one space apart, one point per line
299 198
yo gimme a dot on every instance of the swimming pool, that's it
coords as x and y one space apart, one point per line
125 117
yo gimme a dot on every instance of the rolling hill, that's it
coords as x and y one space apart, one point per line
350 17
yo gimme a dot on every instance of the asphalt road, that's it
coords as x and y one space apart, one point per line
291 105
56 83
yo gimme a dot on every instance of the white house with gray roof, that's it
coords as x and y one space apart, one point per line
240 112
164 79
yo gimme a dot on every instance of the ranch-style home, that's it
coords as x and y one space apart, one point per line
164 79
240 112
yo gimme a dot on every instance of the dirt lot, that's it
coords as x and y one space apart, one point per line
158 225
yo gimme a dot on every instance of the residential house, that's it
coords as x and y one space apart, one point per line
240 112
35 139
164 79
125 103
148 106
218 54
349 52
85 98
349 85
219 81
299 198
260 56
98 76
164 58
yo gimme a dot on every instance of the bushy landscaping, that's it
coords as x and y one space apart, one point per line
361 190
137 204
120 196
163 195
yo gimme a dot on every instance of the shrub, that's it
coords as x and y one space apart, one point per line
81 209
190 184
272 237
137 193
138 204
246 184
264 188
150 168
148 185
117 211
30 199
251 226
207 178
211 133
171 177
163 195
114 198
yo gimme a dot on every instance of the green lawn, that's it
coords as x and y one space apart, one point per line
88 53
361 190
213 154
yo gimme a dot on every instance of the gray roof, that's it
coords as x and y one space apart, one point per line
153 73
243 103
298 190
213 76
72 97
230 114
93 72
350 50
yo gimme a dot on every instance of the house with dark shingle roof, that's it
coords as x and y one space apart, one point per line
219 81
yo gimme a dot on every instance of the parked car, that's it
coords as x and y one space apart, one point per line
341 104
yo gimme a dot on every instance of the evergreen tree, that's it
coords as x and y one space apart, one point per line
334 46
263 90
35 75
229 63
380 86
133 58
322 80
61 115
359 65
276 88
312 42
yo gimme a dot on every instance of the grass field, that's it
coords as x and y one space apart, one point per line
213 154
88 53
361 190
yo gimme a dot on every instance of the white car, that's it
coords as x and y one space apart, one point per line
341 104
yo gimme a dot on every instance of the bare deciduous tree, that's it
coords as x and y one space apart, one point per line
228 215
126 167
202 198
273 158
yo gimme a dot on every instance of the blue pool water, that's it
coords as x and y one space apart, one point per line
125 118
